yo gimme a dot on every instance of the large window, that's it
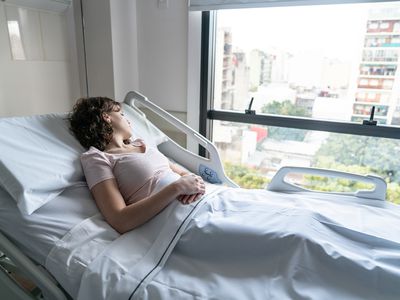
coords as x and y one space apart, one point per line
311 66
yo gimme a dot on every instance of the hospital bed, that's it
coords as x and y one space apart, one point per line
54 236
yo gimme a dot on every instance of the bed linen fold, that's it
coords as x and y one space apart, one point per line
252 244
72 254
135 257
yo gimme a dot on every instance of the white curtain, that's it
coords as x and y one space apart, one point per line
228 4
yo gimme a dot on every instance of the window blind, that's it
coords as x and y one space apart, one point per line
205 5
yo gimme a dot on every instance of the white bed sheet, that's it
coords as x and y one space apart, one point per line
240 244
36 234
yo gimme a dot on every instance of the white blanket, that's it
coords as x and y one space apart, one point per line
245 244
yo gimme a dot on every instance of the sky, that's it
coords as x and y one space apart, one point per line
335 30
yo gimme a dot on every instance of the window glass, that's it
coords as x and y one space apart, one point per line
373 25
396 27
315 69
321 68
373 82
388 84
384 25
384 99
371 96
253 153
361 95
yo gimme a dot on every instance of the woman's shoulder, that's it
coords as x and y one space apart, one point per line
93 154
92 150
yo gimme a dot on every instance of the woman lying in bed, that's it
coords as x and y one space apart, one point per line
130 181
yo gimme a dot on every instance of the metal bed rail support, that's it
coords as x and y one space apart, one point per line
133 96
49 289
210 169
12 286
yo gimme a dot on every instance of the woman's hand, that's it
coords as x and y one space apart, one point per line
190 187
187 199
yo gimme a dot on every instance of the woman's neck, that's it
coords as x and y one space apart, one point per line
116 143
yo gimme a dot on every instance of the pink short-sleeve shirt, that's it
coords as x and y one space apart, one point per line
136 173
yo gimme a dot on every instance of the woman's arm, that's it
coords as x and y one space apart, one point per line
181 171
178 169
124 217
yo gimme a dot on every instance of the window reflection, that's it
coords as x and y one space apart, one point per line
17 49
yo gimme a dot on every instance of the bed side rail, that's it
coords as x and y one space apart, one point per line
32 271
211 169
279 184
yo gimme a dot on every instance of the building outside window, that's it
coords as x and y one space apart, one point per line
371 96
315 70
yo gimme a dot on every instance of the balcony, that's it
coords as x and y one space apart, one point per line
378 70
384 41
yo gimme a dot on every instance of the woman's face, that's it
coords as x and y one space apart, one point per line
119 123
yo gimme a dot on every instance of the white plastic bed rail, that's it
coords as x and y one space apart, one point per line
211 169
49 289
278 183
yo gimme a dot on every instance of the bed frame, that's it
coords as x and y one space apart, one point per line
15 264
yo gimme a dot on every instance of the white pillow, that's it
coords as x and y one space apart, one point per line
143 128
39 158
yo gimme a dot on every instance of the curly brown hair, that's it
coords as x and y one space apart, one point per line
87 123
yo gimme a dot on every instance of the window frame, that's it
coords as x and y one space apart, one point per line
208 114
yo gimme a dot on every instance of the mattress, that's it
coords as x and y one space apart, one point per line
37 233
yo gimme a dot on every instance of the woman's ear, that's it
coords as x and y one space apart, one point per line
106 117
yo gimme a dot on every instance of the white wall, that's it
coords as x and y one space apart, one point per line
162 52
110 47
134 44
125 48
43 82
98 47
